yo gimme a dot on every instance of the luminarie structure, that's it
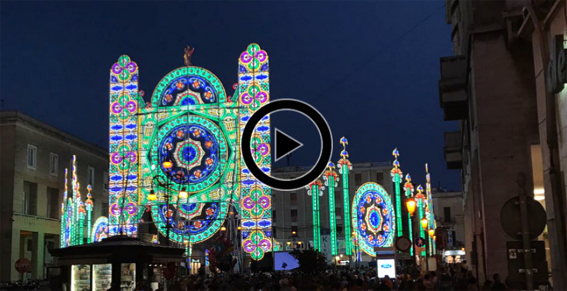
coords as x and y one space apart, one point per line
373 217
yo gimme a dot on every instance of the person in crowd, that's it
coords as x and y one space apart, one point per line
498 285
487 285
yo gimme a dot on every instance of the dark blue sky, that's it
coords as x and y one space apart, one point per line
55 60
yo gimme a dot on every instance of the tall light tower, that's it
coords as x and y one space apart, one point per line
421 200
345 166
408 188
331 178
397 178
315 189
430 210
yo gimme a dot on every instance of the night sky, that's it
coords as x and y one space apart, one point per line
371 68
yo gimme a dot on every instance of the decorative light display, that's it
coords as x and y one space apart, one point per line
188 155
89 206
430 210
408 188
315 189
397 178
420 208
179 155
123 148
100 229
373 217
331 178
253 92
345 166
73 211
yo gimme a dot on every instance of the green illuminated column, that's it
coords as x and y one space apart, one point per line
63 214
420 207
345 166
315 190
331 178
396 178
81 228
408 188
89 204
430 209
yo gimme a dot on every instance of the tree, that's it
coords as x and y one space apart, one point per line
310 261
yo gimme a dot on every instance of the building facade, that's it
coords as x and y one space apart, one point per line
292 210
450 215
33 158
510 123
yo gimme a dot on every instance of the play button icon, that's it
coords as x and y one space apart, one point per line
285 144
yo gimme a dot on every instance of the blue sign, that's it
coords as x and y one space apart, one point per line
419 242
386 266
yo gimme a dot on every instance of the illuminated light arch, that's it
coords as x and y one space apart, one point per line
189 122
373 217
100 229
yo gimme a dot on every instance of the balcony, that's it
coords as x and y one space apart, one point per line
453 150
453 94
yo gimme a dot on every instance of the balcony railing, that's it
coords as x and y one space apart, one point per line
453 150
453 94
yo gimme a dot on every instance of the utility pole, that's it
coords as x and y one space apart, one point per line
521 180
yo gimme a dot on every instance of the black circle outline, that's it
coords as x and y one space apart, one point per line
324 132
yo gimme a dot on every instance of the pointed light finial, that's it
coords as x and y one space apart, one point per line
426 168
331 165
419 191
408 178
395 153
344 141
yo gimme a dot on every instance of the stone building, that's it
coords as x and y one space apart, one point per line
495 87
449 214
292 210
33 158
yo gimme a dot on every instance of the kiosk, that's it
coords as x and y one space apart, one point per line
115 263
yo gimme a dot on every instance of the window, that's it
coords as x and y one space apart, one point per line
380 178
294 215
293 198
53 164
447 212
32 157
52 203
90 180
30 198
105 180
274 219
339 229
339 213
104 209
358 179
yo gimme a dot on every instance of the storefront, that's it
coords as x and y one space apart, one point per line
454 256
115 263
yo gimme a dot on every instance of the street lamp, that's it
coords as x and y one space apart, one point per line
183 194
424 223
152 196
410 204
431 232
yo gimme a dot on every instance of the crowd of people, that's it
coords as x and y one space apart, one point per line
450 279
